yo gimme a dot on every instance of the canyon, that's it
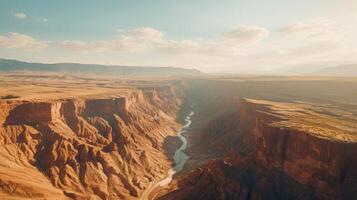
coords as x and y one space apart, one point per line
294 148
65 137
103 147
269 160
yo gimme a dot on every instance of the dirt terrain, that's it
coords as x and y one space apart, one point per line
69 137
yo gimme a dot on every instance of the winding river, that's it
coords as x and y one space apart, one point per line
180 158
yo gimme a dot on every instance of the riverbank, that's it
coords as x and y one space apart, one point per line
180 158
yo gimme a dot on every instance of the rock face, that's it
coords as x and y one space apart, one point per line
87 148
270 161
326 165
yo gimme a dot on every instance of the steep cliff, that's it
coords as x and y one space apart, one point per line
87 148
275 151
318 152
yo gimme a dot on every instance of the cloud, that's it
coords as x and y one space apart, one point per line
147 39
20 15
146 33
247 34
22 42
320 47
133 41
318 28
246 47
239 47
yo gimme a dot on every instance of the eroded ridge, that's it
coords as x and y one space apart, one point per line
88 147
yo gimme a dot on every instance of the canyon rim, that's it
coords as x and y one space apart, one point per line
178 100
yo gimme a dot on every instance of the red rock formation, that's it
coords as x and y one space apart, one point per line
324 164
281 163
108 148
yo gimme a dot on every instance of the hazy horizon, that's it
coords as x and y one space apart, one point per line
233 36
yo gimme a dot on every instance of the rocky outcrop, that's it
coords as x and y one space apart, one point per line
236 178
326 165
270 161
90 148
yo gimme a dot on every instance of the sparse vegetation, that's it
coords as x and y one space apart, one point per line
10 96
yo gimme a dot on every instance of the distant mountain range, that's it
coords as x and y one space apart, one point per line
318 70
110 70
343 70
7 65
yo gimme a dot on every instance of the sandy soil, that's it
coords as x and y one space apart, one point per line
35 86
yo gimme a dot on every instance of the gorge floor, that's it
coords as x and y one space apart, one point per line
179 158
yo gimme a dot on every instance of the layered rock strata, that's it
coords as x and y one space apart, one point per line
87 148
269 155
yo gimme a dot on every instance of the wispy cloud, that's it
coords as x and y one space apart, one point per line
149 39
242 47
136 40
313 29
245 47
43 19
22 42
20 15
247 33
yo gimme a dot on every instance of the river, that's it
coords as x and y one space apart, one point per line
180 158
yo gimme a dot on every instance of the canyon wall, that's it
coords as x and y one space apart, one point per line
266 161
325 165
87 148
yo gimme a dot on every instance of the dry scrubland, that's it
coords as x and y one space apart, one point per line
51 86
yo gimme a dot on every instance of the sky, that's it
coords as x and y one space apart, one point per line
213 36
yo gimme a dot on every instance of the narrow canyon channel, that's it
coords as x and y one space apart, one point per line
180 158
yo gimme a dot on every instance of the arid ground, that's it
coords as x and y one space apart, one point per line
69 137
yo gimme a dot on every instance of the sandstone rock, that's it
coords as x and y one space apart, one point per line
86 148
273 158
